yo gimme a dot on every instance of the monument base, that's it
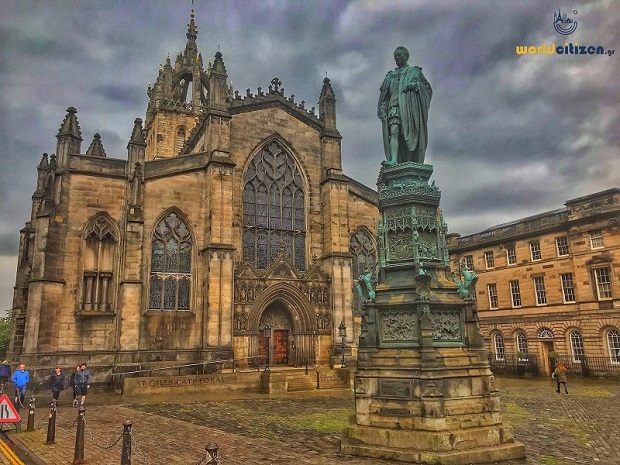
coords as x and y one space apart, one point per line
476 445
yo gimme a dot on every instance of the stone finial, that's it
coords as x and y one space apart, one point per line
218 64
70 125
137 135
43 164
96 147
327 90
192 31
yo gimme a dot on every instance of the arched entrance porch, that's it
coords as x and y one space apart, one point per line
292 337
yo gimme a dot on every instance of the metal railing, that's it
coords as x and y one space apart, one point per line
310 363
589 366
514 365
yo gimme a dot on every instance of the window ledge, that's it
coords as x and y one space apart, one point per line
83 313
185 313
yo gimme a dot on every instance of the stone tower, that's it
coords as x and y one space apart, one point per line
423 388
176 100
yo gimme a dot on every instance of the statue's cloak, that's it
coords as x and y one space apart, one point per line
413 107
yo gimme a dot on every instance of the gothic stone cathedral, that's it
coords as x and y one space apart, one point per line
230 212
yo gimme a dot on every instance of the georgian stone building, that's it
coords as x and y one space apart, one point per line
229 212
550 282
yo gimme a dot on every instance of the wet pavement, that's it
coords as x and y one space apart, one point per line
303 428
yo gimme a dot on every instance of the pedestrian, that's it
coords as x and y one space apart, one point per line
20 380
560 377
73 386
57 382
82 383
5 374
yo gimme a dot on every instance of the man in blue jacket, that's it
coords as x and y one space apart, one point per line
20 380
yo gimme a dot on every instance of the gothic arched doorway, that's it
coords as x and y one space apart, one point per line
281 343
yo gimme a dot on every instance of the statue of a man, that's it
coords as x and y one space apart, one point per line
403 110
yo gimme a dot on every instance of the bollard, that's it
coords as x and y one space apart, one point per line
51 425
212 451
31 404
126 453
78 456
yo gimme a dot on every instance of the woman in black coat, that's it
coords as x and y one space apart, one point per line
57 382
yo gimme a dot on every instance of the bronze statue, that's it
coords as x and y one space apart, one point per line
403 110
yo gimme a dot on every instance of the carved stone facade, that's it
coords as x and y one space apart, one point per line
550 282
230 212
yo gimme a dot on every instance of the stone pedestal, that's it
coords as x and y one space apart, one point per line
423 388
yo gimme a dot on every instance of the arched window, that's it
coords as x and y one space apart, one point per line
522 342
99 259
171 256
500 351
545 333
274 217
364 254
613 342
576 346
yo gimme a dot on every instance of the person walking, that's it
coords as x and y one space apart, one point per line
72 384
5 374
57 382
82 383
20 379
560 377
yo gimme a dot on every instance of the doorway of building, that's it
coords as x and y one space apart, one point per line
547 348
280 347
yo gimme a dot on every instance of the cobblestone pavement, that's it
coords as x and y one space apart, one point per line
557 429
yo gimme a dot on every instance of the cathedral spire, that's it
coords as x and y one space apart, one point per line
191 49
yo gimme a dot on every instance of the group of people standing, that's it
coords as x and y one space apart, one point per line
79 381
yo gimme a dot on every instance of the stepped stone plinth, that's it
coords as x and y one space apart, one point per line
424 392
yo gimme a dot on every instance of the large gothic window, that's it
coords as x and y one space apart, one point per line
101 240
364 254
171 252
274 217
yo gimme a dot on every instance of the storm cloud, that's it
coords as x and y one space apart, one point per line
510 135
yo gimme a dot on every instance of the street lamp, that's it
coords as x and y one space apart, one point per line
267 334
342 332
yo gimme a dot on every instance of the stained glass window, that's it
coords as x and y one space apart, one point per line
364 254
171 264
274 215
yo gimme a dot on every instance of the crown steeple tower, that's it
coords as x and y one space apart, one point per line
177 99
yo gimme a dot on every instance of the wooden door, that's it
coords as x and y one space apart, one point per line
280 347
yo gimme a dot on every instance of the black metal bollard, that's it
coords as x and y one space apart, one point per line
78 456
31 408
126 453
16 402
212 451
51 424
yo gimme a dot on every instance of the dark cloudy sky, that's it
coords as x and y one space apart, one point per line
510 135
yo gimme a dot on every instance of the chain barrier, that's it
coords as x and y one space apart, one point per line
92 437
65 425
202 461
142 456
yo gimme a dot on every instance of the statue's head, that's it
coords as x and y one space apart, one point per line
401 56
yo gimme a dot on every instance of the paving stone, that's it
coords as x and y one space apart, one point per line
304 428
